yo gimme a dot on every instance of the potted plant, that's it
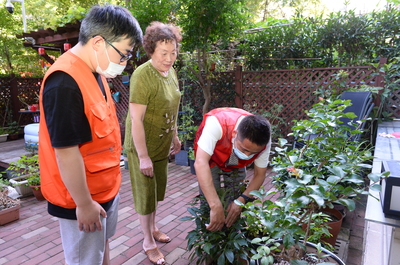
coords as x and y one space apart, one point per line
9 208
13 130
186 128
277 234
20 170
228 246
191 160
328 169
3 134
34 183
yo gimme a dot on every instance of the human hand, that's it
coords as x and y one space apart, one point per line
88 217
217 219
176 146
146 166
234 211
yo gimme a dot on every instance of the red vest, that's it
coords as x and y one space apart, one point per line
101 155
228 118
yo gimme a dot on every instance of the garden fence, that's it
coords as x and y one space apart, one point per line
253 90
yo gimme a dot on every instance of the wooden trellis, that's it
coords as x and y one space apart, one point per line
294 89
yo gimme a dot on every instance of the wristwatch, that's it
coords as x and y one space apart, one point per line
246 198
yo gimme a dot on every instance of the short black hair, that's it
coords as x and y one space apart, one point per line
114 23
256 129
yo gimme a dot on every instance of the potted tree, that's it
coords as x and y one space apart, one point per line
9 208
328 169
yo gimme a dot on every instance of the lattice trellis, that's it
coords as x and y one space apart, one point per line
27 90
222 93
122 105
5 102
294 89
393 105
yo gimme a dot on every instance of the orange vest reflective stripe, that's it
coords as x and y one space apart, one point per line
101 155
228 118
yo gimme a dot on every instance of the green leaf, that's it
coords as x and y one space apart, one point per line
229 255
338 171
349 203
299 262
186 218
207 247
221 260
282 142
376 187
256 240
318 199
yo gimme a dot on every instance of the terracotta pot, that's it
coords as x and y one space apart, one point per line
335 226
38 193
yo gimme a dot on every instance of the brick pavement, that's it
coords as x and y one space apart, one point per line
35 238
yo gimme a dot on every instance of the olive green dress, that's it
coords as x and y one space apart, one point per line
161 95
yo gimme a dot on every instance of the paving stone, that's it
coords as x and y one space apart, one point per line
36 229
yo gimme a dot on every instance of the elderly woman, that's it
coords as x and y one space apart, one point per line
152 130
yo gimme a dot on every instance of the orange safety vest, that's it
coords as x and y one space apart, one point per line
228 118
101 155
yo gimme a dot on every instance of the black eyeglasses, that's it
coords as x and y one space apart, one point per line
124 57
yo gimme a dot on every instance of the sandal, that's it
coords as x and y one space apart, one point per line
161 237
154 255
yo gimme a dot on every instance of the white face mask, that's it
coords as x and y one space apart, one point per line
239 153
112 70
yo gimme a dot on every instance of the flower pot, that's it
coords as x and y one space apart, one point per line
188 144
182 158
21 185
335 225
311 248
3 138
37 192
10 214
13 137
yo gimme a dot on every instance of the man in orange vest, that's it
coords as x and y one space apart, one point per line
79 135
229 139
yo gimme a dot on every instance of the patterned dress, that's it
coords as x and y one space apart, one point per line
161 95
